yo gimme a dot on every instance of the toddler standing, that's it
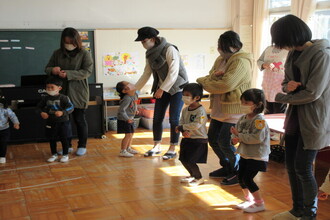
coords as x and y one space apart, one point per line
125 117
252 134
55 108
5 114
192 124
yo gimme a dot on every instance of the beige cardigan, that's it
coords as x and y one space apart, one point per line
236 79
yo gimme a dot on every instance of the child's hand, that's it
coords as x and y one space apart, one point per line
322 195
56 70
44 115
186 134
130 121
235 140
58 113
234 131
16 126
177 129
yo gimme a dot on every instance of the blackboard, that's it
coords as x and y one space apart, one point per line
28 52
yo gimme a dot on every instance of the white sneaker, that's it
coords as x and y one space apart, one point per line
125 153
65 158
52 158
196 182
244 204
187 179
131 150
255 208
2 160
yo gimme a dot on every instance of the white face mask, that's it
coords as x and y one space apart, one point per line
148 44
52 92
69 47
187 100
246 109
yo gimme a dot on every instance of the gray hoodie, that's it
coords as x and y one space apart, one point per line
313 99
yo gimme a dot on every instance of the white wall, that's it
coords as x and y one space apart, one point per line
91 14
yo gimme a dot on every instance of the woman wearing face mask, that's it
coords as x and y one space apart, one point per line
229 77
73 65
164 63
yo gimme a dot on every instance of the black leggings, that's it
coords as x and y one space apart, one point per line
246 175
193 169
4 137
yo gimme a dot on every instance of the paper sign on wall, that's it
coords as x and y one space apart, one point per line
120 63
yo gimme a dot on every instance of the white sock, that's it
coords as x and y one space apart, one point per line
171 152
156 148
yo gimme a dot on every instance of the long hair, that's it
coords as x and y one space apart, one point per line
72 34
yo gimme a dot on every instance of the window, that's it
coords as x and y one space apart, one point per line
320 21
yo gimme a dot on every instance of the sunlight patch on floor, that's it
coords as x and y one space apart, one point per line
175 171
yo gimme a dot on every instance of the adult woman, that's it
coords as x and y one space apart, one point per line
74 65
307 123
164 63
229 77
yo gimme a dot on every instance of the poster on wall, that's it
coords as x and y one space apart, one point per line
120 63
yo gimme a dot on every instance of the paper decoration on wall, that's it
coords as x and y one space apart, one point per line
83 35
120 63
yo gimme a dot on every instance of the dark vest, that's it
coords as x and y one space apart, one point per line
157 60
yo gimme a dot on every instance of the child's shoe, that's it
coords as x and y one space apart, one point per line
131 150
187 179
52 158
125 153
196 182
65 158
255 208
244 204
2 160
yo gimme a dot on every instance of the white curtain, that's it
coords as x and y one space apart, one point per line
260 17
303 8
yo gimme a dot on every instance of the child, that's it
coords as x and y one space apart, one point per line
252 134
5 113
193 147
125 117
55 108
325 188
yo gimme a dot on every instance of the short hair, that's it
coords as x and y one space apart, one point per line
290 31
119 88
3 100
74 35
54 80
195 89
257 96
229 39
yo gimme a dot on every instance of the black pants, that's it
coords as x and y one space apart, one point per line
4 137
193 169
274 107
248 169
58 131
79 118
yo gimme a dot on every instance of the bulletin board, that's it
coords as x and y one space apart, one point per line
118 57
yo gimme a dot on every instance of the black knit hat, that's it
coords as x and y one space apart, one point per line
146 32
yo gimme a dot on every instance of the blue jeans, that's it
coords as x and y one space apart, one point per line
299 164
176 103
79 117
220 140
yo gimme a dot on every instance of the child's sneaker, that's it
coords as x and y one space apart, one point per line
65 158
125 153
187 179
244 204
196 182
2 160
131 150
52 158
255 208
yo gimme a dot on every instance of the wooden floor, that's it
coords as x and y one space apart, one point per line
101 185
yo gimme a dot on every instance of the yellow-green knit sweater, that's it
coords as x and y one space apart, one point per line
236 79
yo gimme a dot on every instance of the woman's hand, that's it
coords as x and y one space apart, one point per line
219 73
186 134
130 121
235 140
292 85
234 131
56 70
159 93
62 74
268 66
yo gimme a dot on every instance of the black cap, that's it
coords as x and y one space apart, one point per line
146 32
